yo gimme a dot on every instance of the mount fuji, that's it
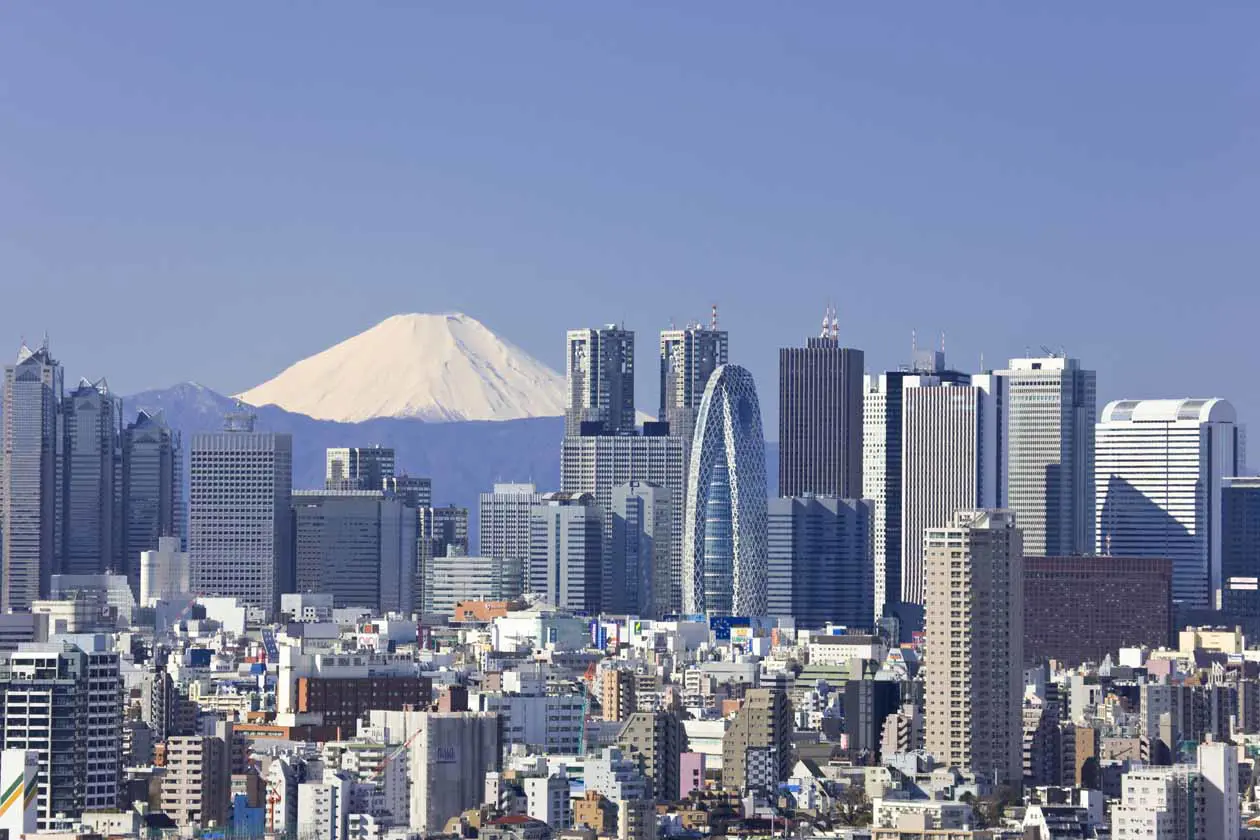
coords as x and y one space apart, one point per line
456 402
426 367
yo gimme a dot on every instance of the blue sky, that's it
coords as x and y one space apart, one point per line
212 191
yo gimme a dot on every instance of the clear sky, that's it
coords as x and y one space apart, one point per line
211 191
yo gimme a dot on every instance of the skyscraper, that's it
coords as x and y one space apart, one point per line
415 491
820 560
642 517
239 535
358 468
504 521
597 465
91 533
1050 410
600 367
1240 547
820 418
881 464
688 358
1158 472
442 531
951 460
724 549
566 551
63 703
974 661
153 488
32 403
358 546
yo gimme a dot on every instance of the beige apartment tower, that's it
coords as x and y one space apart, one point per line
975 616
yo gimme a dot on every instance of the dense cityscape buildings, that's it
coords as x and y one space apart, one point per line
656 647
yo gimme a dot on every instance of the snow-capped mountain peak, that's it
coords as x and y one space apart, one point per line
438 367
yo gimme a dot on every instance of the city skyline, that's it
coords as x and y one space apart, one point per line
1026 179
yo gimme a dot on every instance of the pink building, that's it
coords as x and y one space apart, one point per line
690 773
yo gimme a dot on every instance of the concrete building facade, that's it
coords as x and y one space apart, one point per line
974 659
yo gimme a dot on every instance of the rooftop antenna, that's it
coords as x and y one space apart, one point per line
44 346
914 342
942 341
835 325
982 361
826 325
713 319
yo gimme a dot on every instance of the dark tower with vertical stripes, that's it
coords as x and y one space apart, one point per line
820 417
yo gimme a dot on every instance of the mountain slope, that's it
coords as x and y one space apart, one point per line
424 367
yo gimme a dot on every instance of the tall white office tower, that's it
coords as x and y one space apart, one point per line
504 522
600 367
882 415
724 545
31 477
153 488
1050 411
951 461
974 662
566 551
642 518
597 465
1158 473
358 467
239 535
688 358
63 703
91 529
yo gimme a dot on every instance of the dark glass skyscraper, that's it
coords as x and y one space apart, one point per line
820 419
153 505
821 560
29 516
1240 546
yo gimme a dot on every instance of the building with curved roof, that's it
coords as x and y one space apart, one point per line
1158 471
724 550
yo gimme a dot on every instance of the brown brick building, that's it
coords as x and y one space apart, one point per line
343 700
1082 608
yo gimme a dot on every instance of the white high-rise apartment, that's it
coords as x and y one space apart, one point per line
975 616
1158 473
503 523
600 368
597 465
31 480
951 461
239 534
1050 410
